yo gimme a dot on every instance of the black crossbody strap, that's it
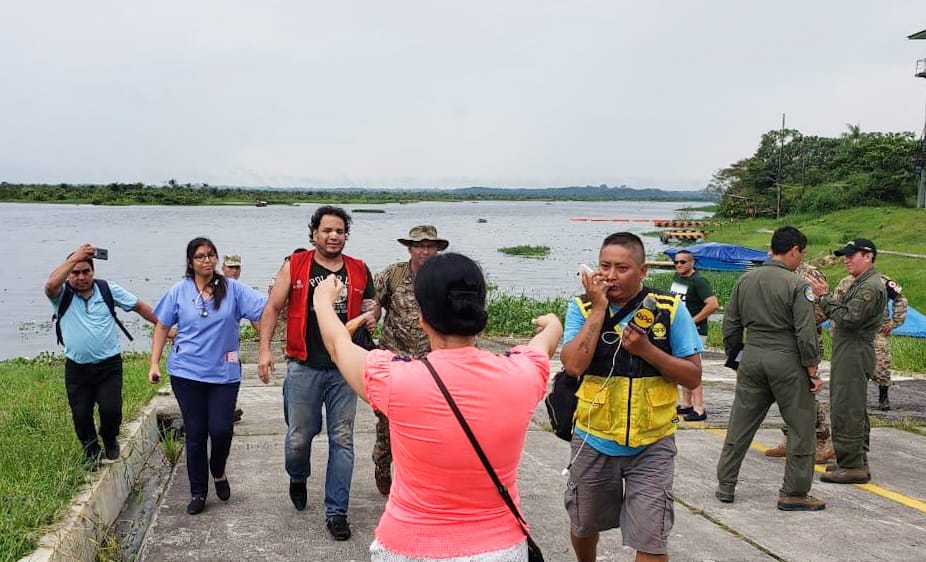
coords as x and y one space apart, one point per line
502 490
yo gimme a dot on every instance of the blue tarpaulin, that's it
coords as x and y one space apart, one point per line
914 325
722 257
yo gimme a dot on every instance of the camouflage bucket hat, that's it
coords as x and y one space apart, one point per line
424 233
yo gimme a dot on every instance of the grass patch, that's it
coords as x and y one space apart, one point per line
909 354
511 315
40 458
890 228
526 251
905 423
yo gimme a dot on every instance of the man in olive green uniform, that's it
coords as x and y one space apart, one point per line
402 333
890 320
778 364
825 449
857 317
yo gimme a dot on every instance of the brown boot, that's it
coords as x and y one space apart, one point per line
800 503
779 451
833 466
859 475
825 451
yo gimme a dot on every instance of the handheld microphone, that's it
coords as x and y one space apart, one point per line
645 315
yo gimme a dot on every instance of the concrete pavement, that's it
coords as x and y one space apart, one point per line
882 520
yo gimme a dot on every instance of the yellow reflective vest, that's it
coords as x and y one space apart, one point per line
622 398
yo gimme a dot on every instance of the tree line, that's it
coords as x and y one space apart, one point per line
816 175
174 193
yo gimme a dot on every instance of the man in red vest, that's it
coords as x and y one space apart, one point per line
312 379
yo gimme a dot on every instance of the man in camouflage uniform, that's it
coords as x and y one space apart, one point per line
857 317
402 333
883 359
825 449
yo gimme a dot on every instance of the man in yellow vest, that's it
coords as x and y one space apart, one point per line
632 346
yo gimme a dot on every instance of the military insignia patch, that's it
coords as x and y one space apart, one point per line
866 295
808 294
659 330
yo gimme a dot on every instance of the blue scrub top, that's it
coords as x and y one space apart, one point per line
206 347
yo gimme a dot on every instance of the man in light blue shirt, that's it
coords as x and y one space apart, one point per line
93 366
632 346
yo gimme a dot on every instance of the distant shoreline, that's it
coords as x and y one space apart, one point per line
196 195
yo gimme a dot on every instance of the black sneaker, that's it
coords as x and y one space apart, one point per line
93 459
339 528
298 494
223 489
112 449
196 505
236 417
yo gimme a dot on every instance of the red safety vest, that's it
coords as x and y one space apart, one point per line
300 291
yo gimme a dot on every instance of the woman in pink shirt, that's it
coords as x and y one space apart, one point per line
443 504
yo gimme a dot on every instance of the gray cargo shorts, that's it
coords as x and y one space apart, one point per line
633 493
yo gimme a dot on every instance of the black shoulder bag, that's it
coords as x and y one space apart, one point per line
533 551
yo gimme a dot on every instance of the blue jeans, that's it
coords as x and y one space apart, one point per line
208 411
305 390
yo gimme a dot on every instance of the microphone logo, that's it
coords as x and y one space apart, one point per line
645 315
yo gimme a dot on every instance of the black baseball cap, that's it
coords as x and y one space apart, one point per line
857 245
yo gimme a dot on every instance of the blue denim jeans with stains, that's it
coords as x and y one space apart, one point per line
305 392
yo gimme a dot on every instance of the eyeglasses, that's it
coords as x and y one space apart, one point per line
676 262
233 266
79 272
204 257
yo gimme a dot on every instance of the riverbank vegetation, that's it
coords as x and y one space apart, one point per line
40 458
899 234
818 175
895 231
526 251
174 193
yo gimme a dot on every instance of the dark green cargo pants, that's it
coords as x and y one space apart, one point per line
851 367
765 377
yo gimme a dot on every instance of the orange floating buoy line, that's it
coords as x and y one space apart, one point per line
661 223
673 223
667 236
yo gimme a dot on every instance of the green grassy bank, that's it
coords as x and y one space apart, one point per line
41 461
892 229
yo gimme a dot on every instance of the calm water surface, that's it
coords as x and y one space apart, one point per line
146 247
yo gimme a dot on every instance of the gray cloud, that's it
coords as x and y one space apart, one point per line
419 94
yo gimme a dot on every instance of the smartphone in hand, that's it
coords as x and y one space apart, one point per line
100 254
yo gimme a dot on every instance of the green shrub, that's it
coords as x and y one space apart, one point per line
526 251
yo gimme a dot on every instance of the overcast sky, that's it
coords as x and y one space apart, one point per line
448 94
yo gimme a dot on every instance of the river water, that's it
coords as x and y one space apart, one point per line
146 247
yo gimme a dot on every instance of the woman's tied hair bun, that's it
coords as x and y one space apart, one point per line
451 293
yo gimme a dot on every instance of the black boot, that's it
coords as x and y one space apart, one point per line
884 403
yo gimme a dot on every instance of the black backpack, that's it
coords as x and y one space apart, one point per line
68 297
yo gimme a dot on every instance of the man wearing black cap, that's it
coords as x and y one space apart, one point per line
856 316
